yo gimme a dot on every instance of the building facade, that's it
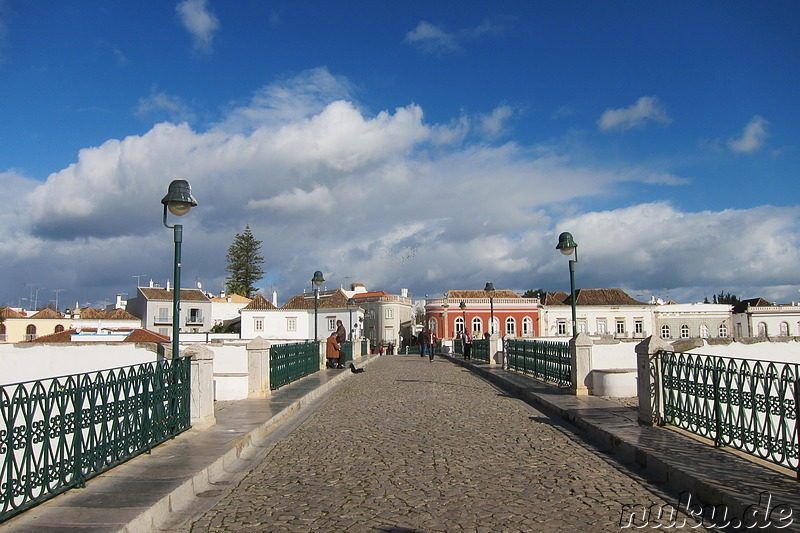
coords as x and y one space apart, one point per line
759 318
153 305
388 318
473 310
692 321
601 313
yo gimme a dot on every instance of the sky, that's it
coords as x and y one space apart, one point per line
421 145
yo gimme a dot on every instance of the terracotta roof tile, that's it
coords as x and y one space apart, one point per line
47 313
259 303
92 314
7 312
556 298
235 299
187 295
61 336
145 335
499 293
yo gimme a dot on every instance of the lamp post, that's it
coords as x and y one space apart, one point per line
489 290
317 280
350 303
179 201
463 308
567 246
445 305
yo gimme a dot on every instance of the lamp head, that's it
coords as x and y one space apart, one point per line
179 199
566 244
489 288
462 305
317 279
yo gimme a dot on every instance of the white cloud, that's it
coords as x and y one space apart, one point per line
494 124
646 108
433 39
159 103
199 22
378 198
752 138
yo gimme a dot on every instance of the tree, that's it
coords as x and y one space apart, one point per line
538 293
244 263
723 298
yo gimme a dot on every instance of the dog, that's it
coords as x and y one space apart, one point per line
355 370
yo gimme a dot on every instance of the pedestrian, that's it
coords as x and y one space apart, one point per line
341 338
467 345
431 339
422 339
332 349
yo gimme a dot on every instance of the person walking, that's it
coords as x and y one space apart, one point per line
467 345
422 339
431 340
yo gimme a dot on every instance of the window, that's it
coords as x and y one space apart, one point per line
762 329
582 326
258 323
665 334
527 326
477 324
703 331
684 331
30 332
163 331
195 316
331 323
723 330
459 326
163 314
602 327
620 326
638 326
784 329
59 329
561 327
291 323
2 332
511 326
389 313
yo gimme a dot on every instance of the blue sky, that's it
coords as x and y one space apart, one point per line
427 145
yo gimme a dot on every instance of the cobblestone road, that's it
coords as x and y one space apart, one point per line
418 446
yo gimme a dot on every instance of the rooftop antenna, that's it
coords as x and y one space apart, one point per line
56 291
138 277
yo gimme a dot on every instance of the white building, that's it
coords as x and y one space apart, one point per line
759 318
153 305
609 313
692 321
226 307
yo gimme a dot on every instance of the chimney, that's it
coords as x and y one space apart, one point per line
151 283
275 298
119 301
404 293
167 285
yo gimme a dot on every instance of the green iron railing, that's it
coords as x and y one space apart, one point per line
56 433
546 360
458 347
413 349
746 404
364 347
480 350
290 362
347 346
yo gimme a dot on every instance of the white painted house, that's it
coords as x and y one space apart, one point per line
692 321
759 318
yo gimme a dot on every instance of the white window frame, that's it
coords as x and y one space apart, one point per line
258 323
477 324
291 323
331 323
561 327
684 331
665 332
619 326
638 326
511 326
602 326
527 326
389 313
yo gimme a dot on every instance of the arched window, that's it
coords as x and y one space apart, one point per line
527 326
495 326
477 324
511 326
704 331
762 329
723 330
665 334
59 329
30 332
684 331
2 332
784 329
459 326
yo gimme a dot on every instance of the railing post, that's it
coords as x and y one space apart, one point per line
496 353
649 388
580 348
258 351
202 378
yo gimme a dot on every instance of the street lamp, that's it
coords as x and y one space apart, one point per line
567 246
445 305
350 303
179 201
317 280
489 290
463 308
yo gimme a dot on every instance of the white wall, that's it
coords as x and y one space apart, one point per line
230 372
38 361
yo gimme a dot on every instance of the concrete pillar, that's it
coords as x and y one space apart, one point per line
580 349
258 351
202 403
648 372
496 353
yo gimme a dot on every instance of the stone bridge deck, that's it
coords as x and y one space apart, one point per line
415 446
